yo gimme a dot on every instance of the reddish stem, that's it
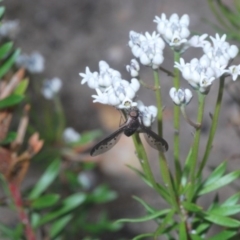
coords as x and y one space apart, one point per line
29 234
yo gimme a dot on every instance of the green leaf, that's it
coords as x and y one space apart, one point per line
224 235
59 225
216 174
225 210
232 200
140 174
202 227
69 204
237 5
182 231
166 221
10 101
191 207
146 206
146 218
21 87
47 178
35 218
186 169
9 63
11 136
162 190
11 233
195 237
144 235
6 231
220 183
45 201
5 49
222 221
102 194
214 204
2 10
18 231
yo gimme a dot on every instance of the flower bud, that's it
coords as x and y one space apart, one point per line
180 96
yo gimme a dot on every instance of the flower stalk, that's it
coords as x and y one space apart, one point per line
195 147
158 101
176 124
213 126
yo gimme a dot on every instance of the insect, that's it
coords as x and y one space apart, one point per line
132 124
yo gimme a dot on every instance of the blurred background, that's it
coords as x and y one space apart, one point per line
73 34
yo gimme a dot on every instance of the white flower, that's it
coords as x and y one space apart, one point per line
34 62
148 114
123 89
127 103
220 51
133 68
51 87
148 48
90 78
107 75
180 96
101 97
205 83
70 135
174 31
101 80
200 73
110 87
234 71
198 41
9 28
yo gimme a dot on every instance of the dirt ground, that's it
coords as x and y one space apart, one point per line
73 34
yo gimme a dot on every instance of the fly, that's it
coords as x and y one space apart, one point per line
132 125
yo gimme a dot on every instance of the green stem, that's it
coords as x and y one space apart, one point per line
162 160
167 178
218 15
171 198
143 159
176 125
193 124
159 101
195 147
213 126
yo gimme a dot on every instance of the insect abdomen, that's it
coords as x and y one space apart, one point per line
131 128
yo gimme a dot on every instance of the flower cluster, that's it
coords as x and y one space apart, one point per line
201 73
148 48
34 62
110 87
51 87
174 31
220 51
9 28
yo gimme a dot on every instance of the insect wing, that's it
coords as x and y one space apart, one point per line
154 140
107 143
